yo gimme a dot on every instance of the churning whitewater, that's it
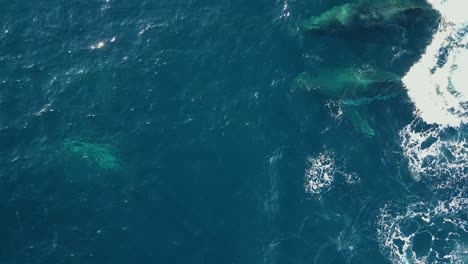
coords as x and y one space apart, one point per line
436 147
437 83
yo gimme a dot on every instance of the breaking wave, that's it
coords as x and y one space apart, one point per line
434 229
426 232
437 83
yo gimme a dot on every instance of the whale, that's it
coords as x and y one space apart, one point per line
348 82
352 86
368 15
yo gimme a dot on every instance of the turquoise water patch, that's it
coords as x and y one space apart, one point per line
98 156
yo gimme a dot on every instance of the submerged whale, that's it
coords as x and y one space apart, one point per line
346 84
368 15
360 124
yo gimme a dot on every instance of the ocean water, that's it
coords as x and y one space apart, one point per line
161 131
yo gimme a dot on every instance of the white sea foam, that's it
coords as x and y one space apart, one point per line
436 152
437 155
438 82
321 172
437 226
435 144
438 85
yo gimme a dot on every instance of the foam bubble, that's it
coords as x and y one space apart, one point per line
436 152
437 83
430 229
433 229
425 232
321 172
453 11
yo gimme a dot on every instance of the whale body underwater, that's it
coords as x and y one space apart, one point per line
369 15
347 81
353 86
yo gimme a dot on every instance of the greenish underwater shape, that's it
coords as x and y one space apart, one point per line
360 124
350 84
101 156
347 81
368 14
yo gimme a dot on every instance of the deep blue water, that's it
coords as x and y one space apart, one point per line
194 98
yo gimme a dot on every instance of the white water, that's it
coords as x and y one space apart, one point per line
321 172
435 145
440 92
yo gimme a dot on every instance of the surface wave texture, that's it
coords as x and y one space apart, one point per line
195 131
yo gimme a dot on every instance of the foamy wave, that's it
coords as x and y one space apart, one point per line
321 172
454 11
425 232
438 82
436 152
431 231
